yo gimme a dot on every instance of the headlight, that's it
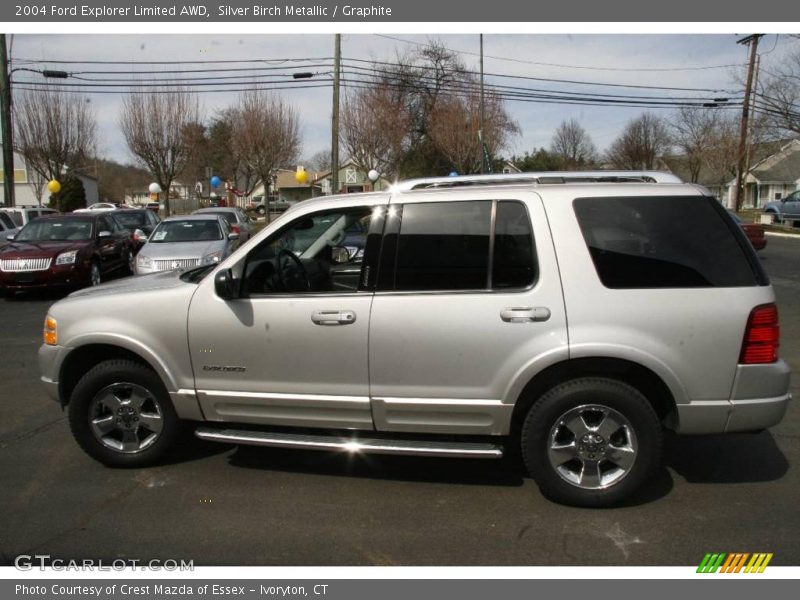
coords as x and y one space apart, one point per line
50 331
67 258
144 261
212 258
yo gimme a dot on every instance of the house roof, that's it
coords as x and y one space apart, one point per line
783 166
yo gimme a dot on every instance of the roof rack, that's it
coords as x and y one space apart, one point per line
539 177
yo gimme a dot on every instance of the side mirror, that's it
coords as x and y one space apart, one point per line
339 254
140 236
104 234
233 236
10 238
223 285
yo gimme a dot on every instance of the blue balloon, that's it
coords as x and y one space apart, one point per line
215 181
453 174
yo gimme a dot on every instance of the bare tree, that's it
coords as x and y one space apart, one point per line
643 140
573 145
156 126
374 125
321 161
52 130
694 133
266 134
722 155
778 99
455 124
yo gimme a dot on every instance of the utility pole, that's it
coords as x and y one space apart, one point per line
337 60
480 125
5 109
752 41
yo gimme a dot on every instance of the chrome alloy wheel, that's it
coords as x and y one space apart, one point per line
125 417
592 446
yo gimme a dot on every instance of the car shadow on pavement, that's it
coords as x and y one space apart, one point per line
502 472
728 458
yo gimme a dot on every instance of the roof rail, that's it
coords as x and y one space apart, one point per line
538 177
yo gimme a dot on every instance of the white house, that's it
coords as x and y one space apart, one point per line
26 183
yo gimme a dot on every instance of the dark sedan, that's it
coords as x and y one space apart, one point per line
139 221
65 251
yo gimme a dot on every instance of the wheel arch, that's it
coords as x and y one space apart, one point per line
640 377
82 358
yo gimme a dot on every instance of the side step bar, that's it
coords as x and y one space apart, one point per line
354 445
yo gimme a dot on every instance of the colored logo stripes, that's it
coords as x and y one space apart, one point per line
734 562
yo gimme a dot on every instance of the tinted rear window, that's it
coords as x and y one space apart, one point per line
665 242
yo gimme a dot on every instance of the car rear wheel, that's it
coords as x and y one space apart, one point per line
121 415
591 442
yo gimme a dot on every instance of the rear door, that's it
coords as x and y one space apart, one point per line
468 302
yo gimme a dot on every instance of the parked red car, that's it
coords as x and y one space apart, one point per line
65 251
753 231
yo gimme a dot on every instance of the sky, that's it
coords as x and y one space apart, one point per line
677 61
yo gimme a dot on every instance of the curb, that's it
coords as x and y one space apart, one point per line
783 235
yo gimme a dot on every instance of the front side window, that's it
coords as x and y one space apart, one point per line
322 252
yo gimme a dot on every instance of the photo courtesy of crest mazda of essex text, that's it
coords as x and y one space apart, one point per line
371 299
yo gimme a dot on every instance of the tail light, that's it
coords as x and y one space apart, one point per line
235 229
761 337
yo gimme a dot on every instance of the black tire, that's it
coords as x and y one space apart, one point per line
85 408
95 264
128 261
608 401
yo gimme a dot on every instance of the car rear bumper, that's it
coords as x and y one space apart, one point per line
759 400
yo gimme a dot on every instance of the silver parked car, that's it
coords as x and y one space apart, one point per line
573 316
185 242
238 220
786 209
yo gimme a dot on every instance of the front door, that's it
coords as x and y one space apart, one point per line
292 349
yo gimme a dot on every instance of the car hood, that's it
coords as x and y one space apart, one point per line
163 250
157 281
38 249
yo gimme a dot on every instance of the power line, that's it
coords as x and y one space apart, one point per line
562 66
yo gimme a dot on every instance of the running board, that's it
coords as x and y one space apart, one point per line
354 445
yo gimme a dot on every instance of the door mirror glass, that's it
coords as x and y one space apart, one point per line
104 234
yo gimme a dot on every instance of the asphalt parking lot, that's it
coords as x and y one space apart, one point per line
222 505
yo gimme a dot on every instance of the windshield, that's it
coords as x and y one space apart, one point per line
56 230
186 231
131 219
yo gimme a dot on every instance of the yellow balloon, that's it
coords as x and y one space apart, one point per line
301 176
54 186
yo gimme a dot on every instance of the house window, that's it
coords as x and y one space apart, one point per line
778 195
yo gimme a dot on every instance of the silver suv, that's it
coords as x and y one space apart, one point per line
571 315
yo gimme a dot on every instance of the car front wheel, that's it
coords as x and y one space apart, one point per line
591 442
121 415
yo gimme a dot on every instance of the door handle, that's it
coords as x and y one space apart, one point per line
525 314
333 317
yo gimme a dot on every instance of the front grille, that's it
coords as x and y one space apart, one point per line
176 263
21 265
